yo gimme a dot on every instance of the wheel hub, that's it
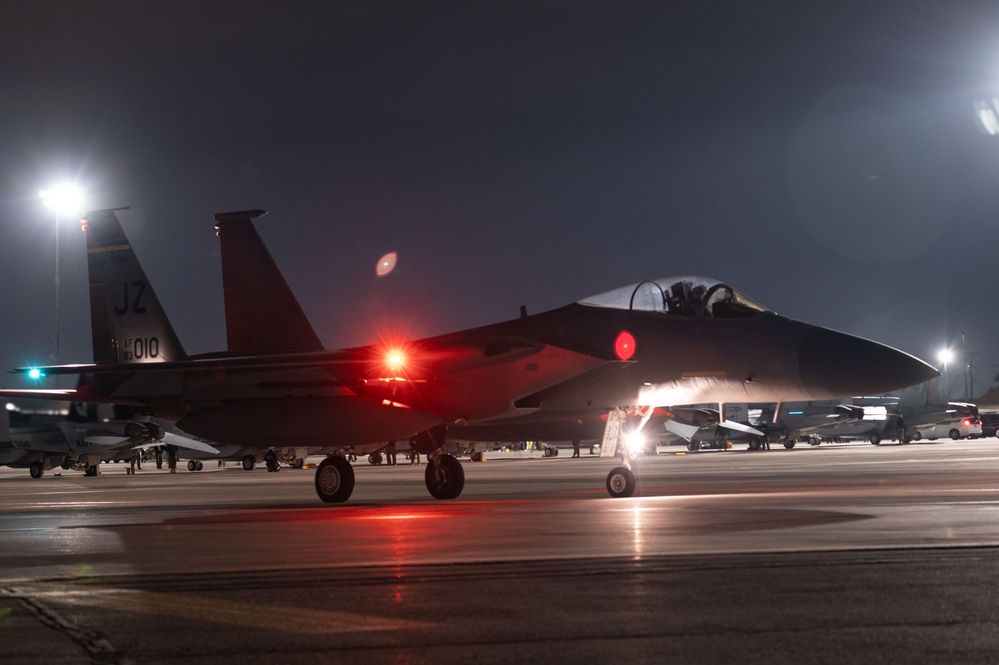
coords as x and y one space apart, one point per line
329 480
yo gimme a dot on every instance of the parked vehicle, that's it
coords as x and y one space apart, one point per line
990 424
966 428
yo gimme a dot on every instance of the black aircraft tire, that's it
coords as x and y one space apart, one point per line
199 465
621 482
789 444
191 466
334 479
874 438
249 462
451 481
755 443
37 469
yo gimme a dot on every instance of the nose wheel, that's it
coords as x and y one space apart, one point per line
621 482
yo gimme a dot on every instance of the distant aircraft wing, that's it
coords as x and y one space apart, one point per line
183 442
681 429
739 427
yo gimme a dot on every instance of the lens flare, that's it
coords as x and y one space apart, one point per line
386 264
395 360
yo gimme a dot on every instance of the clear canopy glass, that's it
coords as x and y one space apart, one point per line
679 296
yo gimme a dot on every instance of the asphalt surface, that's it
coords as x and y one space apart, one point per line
837 554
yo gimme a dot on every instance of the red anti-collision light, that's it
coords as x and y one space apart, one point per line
624 345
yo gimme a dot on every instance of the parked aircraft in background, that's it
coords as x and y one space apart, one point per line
874 425
69 444
922 414
799 421
700 425
704 426
658 343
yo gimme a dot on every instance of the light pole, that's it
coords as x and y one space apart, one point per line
969 369
945 355
65 198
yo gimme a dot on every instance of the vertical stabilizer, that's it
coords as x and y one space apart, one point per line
262 314
127 321
933 391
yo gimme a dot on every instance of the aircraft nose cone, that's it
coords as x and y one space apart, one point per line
846 365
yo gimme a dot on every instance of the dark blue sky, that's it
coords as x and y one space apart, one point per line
824 158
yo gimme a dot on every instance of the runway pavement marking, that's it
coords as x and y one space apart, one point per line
245 615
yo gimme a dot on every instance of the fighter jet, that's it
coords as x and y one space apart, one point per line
256 292
657 343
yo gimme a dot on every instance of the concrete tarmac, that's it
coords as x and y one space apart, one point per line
840 553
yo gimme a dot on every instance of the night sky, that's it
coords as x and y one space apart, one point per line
824 158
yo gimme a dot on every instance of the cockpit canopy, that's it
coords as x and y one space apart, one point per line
681 296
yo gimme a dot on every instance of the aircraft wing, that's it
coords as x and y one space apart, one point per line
740 427
463 368
686 421
682 430
348 365
54 394
169 438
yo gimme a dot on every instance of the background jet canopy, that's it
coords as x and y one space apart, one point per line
680 296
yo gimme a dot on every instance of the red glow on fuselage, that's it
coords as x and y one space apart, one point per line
624 345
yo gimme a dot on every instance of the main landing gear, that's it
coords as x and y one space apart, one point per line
335 479
444 476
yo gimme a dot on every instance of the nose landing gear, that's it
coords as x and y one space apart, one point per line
621 482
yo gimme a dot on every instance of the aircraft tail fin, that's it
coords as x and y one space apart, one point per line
933 391
127 320
262 314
